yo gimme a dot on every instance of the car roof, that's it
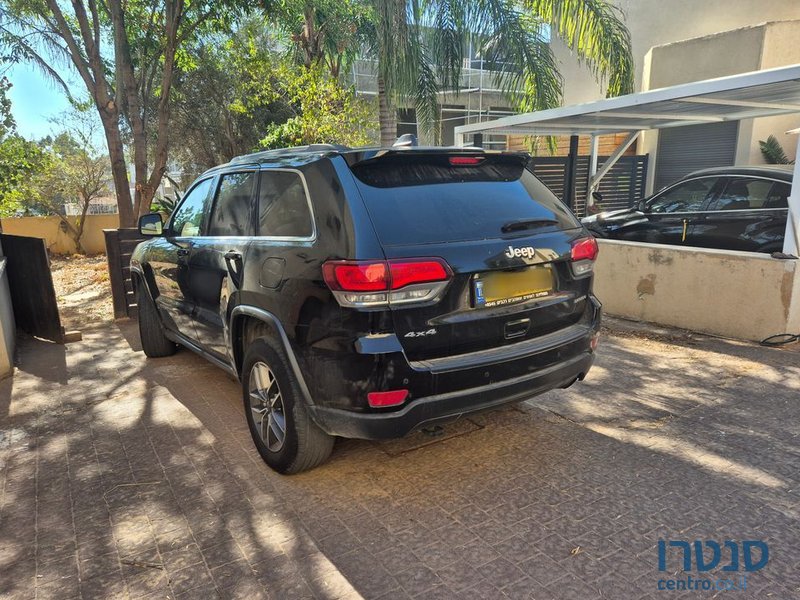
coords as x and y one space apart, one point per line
783 172
301 155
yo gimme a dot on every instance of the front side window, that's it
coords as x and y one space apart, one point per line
231 214
684 197
188 217
283 205
744 193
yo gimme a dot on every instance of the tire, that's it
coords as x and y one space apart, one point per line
151 332
304 445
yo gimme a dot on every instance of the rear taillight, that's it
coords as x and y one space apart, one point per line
380 283
583 254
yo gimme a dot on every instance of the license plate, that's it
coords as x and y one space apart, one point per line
502 288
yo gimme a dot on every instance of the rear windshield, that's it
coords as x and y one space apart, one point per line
424 199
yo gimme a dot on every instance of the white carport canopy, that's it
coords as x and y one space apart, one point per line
745 96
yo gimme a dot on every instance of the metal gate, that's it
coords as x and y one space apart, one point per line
120 244
622 186
31 285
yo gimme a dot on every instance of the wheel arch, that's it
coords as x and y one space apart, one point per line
247 322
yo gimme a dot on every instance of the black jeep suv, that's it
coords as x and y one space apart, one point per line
368 293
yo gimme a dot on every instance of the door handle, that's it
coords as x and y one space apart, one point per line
183 252
685 223
233 261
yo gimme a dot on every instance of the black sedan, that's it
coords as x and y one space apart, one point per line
733 208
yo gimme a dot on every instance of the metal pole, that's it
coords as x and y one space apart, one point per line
791 240
569 179
595 144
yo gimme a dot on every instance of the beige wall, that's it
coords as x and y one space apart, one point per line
733 294
657 22
58 241
763 46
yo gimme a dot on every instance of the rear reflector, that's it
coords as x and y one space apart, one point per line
593 341
585 249
465 161
383 399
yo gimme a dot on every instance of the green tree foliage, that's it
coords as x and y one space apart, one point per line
225 98
420 47
75 174
325 112
127 54
243 94
324 33
20 159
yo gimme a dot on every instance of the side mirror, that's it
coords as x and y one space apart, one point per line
151 225
597 197
641 206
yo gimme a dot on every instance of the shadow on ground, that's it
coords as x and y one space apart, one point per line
126 478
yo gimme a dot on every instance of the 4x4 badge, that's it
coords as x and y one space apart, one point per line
416 334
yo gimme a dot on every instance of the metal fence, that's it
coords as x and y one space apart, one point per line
621 187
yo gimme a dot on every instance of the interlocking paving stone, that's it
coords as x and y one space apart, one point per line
122 477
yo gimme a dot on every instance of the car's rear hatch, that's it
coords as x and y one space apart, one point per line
506 238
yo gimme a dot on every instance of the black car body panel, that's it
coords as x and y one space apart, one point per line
452 355
731 208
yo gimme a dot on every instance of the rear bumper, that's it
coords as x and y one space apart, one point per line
428 411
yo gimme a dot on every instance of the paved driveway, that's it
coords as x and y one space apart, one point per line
123 477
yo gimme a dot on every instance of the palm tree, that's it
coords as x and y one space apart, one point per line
420 46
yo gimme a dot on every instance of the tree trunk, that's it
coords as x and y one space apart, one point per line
74 233
387 116
119 170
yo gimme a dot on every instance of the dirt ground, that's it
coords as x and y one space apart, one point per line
82 289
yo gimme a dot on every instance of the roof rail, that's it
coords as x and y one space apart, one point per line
266 154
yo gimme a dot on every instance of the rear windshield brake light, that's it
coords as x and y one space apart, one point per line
465 161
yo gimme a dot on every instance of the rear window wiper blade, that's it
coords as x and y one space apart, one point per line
523 224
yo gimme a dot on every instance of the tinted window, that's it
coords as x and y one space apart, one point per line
420 199
684 197
742 193
188 216
283 206
231 214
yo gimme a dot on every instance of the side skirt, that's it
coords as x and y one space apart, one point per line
184 341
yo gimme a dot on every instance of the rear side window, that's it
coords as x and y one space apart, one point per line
423 198
231 213
283 209
778 196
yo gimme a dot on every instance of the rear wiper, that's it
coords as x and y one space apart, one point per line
526 224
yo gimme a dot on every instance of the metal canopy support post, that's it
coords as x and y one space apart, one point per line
791 239
610 162
569 175
594 146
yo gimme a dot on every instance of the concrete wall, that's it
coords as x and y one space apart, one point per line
58 241
742 50
657 22
7 329
733 294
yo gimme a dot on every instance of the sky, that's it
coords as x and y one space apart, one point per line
34 101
